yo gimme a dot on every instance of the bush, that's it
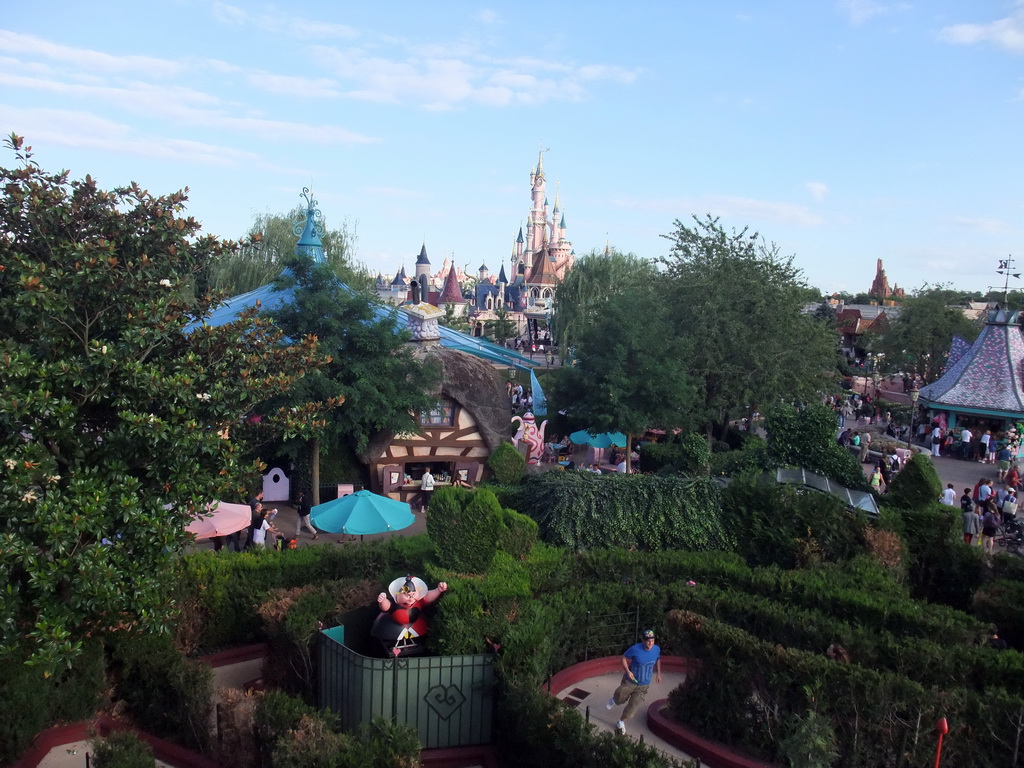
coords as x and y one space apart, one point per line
166 694
517 535
805 437
220 592
464 526
790 527
1002 604
122 749
32 702
380 744
650 512
916 486
507 464
695 454
941 567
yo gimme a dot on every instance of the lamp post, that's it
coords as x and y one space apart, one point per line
875 377
914 394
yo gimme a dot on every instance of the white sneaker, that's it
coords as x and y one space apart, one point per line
610 703
620 727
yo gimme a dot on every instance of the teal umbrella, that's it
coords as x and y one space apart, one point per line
361 513
603 440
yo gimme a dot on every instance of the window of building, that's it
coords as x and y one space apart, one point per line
441 415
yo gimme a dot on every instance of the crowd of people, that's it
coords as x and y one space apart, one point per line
985 510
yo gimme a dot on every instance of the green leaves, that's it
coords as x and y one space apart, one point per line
115 425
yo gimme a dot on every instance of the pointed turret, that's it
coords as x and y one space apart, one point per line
502 280
309 243
452 291
422 258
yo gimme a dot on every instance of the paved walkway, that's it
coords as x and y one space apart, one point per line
590 695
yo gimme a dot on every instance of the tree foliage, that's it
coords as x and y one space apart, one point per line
371 367
502 327
630 370
270 245
738 303
805 437
594 279
918 340
115 424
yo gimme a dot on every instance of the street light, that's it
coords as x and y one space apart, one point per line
876 378
914 394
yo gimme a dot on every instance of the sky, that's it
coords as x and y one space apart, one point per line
843 131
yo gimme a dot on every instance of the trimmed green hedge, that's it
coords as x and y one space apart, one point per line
916 486
580 510
221 591
879 718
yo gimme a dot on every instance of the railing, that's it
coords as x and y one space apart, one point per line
449 700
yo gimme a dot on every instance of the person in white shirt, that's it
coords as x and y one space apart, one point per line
948 496
259 532
426 488
965 443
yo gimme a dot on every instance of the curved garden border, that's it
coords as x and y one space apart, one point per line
659 718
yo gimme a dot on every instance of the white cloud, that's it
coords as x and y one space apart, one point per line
296 27
861 11
85 59
306 87
1005 33
443 81
489 17
818 190
188 107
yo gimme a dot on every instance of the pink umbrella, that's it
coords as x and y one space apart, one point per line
220 519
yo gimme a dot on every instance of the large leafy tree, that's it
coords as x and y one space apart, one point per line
115 423
370 367
502 327
270 244
629 373
738 304
595 278
918 340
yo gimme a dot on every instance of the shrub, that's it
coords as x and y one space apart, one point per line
166 694
1002 604
695 453
219 592
507 464
941 567
380 743
650 512
277 713
122 749
805 437
32 702
464 526
517 535
916 486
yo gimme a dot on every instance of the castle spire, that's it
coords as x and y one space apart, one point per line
310 231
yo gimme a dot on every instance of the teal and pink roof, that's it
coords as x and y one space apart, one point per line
984 378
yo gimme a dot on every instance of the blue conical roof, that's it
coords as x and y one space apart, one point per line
422 258
310 243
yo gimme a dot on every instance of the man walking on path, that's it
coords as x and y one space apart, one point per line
639 661
948 496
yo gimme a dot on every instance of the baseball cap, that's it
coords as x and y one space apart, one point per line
648 633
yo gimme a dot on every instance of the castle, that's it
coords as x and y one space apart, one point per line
538 263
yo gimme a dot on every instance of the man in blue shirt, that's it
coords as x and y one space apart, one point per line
640 662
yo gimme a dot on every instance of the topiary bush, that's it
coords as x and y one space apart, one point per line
1002 604
507 464
517 535
464 526
122 749
166 694
916 486
805 437
695 453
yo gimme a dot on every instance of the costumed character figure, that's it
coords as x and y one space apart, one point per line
531 436
402 623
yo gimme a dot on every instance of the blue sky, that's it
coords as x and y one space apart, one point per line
844 131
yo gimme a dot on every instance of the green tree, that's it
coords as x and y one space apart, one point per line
739 304
918 340
629 372
383 384
451 320
116 425
270 245
594 279
502 327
